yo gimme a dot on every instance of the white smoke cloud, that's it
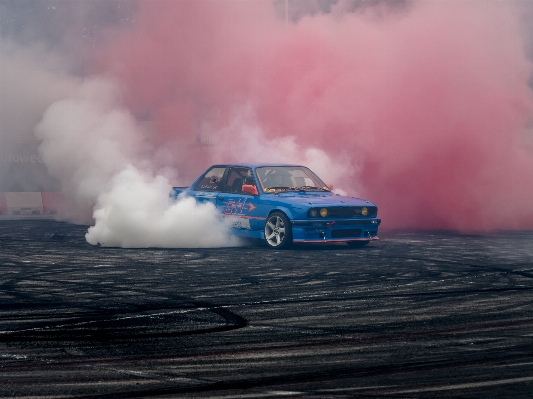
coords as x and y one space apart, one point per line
88 139
95 147
135 213
29 80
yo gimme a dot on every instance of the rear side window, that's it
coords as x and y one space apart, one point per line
212 180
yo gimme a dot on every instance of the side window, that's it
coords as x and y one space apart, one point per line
237 177
211 181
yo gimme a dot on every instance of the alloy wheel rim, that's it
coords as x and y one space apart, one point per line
275 231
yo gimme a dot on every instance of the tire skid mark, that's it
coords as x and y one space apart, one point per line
331 374
64 332
503 355
314 333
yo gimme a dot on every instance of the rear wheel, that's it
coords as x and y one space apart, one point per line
278 232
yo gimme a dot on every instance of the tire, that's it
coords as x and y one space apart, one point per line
357 244
278 231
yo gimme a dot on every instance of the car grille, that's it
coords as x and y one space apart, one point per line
345 233
350 211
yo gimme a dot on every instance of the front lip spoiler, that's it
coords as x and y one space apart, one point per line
300 241
342 222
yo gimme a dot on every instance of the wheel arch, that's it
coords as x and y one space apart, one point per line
282 209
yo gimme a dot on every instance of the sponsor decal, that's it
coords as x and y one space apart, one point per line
238 207
206 194
239 223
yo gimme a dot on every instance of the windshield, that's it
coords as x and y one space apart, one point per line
285 178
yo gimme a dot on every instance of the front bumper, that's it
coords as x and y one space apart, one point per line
343 230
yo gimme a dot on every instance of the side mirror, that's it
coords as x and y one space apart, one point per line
250 189
330 186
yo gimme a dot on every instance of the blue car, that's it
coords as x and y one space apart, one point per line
283 204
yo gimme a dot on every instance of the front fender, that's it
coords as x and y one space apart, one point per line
285 210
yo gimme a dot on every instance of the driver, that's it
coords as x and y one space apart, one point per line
277 178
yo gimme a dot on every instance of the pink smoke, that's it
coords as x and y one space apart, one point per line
430 101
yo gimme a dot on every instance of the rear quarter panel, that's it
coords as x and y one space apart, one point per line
175 192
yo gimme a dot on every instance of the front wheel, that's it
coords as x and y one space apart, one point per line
278 232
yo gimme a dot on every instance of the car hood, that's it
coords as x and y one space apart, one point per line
319 199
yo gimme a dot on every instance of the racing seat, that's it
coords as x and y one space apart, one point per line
236 186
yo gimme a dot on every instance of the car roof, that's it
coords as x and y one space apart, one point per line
254 165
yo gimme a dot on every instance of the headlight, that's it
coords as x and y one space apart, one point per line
317 212
364 211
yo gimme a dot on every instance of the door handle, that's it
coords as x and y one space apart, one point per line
221 198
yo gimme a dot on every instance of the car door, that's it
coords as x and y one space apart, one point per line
209 185
238 202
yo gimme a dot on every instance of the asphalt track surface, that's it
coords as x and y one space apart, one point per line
415 315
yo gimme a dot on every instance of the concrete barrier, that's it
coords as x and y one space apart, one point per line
52 202
25 203
30 203
3 204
